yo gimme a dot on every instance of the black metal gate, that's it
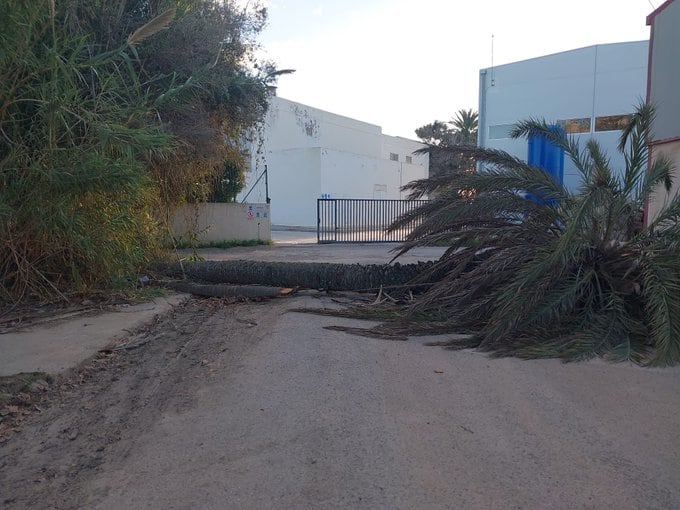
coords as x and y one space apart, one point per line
354 220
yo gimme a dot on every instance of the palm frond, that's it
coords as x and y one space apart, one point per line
633 145
639 126
600 174
668 218
660 173
661 279
569 144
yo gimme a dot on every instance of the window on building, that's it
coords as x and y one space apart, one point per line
500 131
574 126
409 159
394 157
612 122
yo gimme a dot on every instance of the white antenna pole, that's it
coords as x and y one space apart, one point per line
493 78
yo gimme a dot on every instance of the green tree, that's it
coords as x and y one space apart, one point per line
229 183
437 134
461 130
534 270
109 112
211 52
205 69
465 127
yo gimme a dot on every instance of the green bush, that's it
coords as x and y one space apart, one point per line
107 122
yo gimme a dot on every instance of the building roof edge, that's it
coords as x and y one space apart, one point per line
639 41
650 18
305 105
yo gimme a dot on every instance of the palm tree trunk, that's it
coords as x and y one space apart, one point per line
296 274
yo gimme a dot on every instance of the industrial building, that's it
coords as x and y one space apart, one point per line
590 92
310 154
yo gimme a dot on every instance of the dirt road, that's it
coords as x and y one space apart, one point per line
248 406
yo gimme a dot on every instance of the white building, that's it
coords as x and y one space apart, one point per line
590 91
310 154
662 91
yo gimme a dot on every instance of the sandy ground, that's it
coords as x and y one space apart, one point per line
250 406
301 246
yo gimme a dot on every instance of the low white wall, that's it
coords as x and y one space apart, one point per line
216 222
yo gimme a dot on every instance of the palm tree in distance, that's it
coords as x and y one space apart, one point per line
465 124
460 130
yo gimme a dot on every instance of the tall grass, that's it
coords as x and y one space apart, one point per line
107 122
76 135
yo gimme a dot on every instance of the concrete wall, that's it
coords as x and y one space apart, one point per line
294 183
417 168
311 153
223 222
347 175
588 83
664 75
664 78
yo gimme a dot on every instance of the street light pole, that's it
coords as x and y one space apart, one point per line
266 184
401 173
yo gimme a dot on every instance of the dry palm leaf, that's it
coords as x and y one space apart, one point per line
160 22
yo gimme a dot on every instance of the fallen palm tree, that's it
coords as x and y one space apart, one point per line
537 270
326 276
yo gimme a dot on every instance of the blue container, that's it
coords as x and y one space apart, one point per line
543 154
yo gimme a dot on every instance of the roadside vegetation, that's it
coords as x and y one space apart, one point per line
112 113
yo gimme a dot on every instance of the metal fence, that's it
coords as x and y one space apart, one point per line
353 220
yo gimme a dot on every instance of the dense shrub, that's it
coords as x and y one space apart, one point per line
111 113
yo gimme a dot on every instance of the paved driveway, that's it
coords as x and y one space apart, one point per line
366 253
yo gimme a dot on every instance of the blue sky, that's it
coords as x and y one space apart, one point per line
403 63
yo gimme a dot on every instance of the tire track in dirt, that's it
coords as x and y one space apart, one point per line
97 410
